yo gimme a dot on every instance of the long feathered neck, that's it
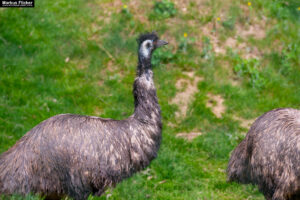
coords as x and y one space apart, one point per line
144 64
146 133
145 99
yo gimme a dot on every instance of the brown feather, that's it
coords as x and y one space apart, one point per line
78 155
269 156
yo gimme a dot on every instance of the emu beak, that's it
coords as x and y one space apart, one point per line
160 43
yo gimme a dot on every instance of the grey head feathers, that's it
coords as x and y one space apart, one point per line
148 43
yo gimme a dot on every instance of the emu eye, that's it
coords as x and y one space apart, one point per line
148 45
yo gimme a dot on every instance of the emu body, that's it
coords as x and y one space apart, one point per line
75 155
269 156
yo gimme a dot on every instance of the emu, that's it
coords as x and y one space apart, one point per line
76 155
269 156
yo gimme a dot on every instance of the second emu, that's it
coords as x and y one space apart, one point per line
75 155
269 156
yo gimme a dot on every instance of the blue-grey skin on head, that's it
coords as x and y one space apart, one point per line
147 44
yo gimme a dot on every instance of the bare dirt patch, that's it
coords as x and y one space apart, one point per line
172 125
139 8
170 38
189 136
245 49
185 6
244 123
208 31
234 81
103 12
135 7
256 31
187 88
216 103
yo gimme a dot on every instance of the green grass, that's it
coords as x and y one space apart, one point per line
79 57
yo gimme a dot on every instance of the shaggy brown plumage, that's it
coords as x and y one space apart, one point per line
77 155
269 156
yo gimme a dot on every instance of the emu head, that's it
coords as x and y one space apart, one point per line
148 43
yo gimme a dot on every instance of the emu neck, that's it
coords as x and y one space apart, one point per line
146 137
144 65
145 99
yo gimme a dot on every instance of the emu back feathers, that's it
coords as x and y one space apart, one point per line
78 150
269 156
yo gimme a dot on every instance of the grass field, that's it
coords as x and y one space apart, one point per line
227 62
